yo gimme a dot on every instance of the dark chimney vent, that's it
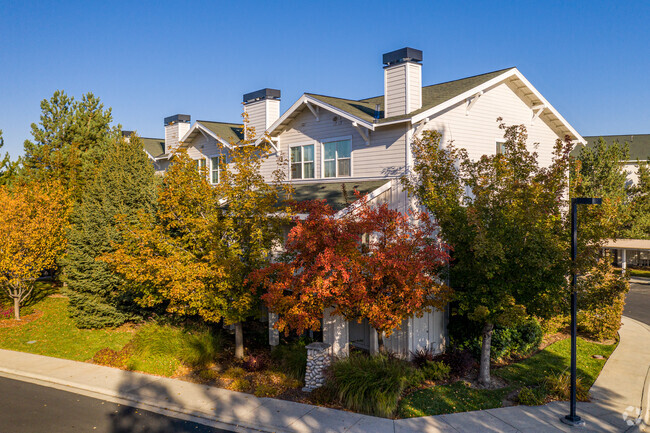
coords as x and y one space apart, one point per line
402 55
177 118
261 94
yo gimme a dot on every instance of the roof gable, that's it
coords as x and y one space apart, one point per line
153 146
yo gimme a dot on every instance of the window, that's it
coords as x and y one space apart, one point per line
501 147
215 169
337 158
200 164
302 162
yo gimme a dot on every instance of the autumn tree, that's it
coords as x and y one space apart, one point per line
33 221
68 142
374 263
123 184
504 217
195 254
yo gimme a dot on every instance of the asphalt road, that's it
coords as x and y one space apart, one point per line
27 408
637 302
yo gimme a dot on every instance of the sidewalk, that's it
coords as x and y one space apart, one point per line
620 385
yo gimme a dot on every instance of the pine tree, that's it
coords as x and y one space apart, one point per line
124 184
7 167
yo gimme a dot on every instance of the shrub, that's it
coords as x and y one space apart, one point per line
371 385
531 396
459 361
291 359
234 373
208 375
256 362
202 347
266 390
514 341
436 370
602 298
559 386
421 357
240 384
554 324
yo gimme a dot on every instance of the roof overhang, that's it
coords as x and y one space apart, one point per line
303 103
199 129
523 85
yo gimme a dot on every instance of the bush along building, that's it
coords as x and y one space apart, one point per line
337 145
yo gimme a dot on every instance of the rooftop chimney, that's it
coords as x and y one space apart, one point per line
176 127
263 108
402 81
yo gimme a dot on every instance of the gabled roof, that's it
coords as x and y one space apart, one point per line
154 146
226 133
639 144
435 99
431 96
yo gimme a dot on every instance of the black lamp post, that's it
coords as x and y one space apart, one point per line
573 419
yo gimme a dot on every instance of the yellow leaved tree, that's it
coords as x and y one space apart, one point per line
33 224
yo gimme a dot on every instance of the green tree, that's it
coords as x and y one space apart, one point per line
639 227
503 217
124 184
598 172
7 167
68 142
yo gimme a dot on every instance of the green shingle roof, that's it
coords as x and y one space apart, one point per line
332 192
154 146
639 144
431 96
230 132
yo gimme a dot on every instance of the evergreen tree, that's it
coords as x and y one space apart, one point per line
124 184
69 141
7 167
640 204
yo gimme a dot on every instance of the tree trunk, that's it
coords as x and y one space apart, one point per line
484 369
380 342
17 308
239 340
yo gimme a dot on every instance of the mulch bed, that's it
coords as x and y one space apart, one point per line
13 323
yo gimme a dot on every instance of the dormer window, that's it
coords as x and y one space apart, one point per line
302 162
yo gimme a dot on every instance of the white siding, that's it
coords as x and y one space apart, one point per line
173 133
479 131
414 86
395 90
262 114
383 158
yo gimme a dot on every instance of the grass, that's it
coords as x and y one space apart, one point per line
531 372
57 335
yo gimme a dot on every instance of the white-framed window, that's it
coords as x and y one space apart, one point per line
337 158
501 147
215 169
302 162
200 164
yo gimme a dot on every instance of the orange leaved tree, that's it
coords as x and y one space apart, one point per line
374 263
33 223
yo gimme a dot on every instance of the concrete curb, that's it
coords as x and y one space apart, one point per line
645 404
169 409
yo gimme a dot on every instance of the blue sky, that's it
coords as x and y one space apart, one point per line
148 60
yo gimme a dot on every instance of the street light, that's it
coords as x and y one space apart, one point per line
573 419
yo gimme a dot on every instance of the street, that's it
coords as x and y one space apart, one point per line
28 408
637 302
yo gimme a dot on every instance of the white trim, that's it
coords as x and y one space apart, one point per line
322 157
371 195
211 169
205 131
365 134
471 101
314 111
302 161
315 102
537 111
514 72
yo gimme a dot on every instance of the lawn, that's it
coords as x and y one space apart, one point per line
54 334
459 397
